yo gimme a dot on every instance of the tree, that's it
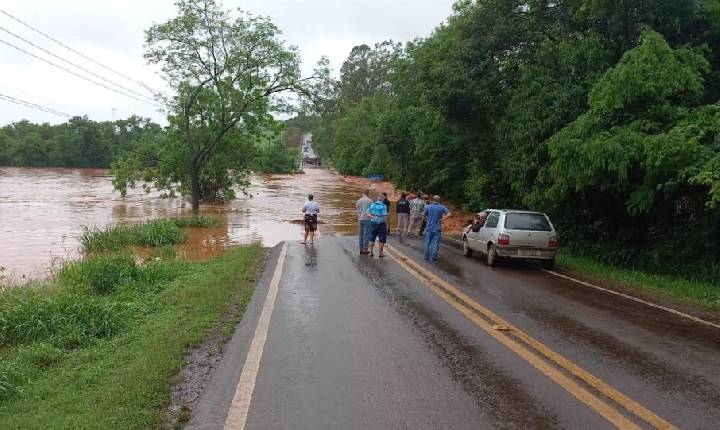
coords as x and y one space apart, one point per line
228 75
366 71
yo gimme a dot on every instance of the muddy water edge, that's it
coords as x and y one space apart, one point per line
43 213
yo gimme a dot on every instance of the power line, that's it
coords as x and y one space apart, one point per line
33 105
77 74
142 84
74 65
33 96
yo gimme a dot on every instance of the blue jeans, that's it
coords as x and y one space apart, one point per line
363 234
432 245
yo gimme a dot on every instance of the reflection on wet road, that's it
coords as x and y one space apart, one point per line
43 211
365 343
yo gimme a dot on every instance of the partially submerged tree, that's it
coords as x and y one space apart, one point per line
228 75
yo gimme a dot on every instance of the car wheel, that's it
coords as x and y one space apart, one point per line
492 256
548 264
466 247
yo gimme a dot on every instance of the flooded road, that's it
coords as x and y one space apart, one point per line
43 211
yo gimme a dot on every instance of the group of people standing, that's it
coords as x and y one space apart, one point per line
414 216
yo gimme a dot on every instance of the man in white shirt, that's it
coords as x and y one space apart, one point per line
311 211
362 206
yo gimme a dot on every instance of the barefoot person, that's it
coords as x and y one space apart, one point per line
378 225
311 211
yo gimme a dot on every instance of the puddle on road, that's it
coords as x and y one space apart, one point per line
43 211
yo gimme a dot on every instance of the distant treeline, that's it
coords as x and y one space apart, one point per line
80 142
603 113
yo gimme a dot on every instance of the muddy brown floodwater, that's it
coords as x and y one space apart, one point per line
43 212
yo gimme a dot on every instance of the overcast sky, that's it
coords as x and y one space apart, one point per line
111 32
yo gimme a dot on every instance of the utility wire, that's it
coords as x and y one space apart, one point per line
142 84
33 105
52 103
75 65
65 69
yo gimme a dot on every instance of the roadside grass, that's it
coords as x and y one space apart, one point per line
195 222
700 293
154 233
100 350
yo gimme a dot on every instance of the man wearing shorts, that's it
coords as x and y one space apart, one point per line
310 209
378 226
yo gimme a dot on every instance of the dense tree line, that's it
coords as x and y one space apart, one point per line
603 113
79 142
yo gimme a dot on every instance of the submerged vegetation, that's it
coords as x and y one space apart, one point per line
155 233
98 345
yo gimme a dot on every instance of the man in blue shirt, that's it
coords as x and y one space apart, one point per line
434 214
378 225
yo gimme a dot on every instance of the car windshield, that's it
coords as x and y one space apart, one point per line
525 221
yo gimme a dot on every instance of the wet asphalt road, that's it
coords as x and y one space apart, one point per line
360 343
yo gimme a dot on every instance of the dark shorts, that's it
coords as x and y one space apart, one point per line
378 230
311 222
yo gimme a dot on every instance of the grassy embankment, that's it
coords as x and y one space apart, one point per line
99 345
700 293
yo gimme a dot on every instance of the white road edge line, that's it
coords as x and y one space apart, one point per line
627 296
635 299
237 415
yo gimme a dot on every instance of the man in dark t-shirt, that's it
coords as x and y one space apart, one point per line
403 212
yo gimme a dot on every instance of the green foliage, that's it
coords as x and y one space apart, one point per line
647 75
125 350
704 293
277 158
66 320
195 222
227 75
79 142
103 273
602 113
155 233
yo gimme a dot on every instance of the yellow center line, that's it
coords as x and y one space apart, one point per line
470 308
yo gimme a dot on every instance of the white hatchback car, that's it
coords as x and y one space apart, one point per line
513 234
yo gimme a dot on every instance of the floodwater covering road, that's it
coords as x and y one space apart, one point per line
43 211
350 342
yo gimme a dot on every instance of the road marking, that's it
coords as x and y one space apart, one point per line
635 299
617 293
237 415
509 336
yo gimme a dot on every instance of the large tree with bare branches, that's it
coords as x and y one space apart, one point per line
228 74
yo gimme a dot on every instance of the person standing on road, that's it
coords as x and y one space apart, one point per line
386 201
403 213
378 226
311 211
416 214
434 214
387 204
362 206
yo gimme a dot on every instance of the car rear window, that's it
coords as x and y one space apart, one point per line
520 221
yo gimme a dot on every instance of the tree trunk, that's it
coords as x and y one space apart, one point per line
195 182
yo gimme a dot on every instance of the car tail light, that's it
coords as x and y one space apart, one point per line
553 243
503 239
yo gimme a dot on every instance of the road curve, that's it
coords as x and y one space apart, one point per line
354 342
